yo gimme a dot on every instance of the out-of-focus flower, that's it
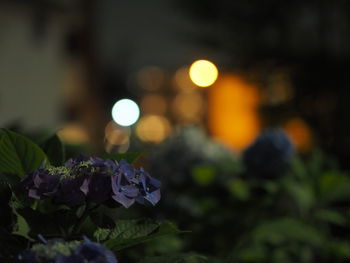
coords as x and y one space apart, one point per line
92 179
58 251
188 147
94 253
269 155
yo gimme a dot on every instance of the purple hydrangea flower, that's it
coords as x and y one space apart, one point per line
131 185
149 187
40 184
73 162
70 192
93 179
94 253
97 187
124 192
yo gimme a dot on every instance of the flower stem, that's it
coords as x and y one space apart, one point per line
81 220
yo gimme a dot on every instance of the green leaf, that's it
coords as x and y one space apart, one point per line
239 188
287 229
203 175
102 220
330 216
333 187
129 157
302 194
54 149
132 232
131 229
18 154
21 227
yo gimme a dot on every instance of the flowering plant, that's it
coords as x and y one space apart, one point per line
59 201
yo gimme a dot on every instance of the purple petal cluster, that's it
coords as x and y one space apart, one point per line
93 179
58 251
130 185
40 184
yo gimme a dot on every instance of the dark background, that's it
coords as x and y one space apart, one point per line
69 61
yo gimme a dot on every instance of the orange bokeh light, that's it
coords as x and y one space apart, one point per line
300 134
232 111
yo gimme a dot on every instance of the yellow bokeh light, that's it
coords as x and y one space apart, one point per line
153 128
74 133
188 107
203 73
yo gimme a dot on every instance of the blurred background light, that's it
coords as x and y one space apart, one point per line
153 104
182 80
188 107
125 112
116 138
203 73
153 128
73 133
300 133
233 111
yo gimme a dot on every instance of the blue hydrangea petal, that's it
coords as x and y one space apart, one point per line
153 197
123 200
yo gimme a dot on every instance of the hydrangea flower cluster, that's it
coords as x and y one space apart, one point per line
58 251
189 146
269 155
92 179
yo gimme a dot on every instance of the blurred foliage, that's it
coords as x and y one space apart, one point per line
300 215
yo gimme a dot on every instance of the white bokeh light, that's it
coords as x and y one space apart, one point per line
125 112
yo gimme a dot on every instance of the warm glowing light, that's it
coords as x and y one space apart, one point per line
203 73
117 138
73 133
232 112
125 112
154 104
153 128
300 134
188 107
115 134
182 80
